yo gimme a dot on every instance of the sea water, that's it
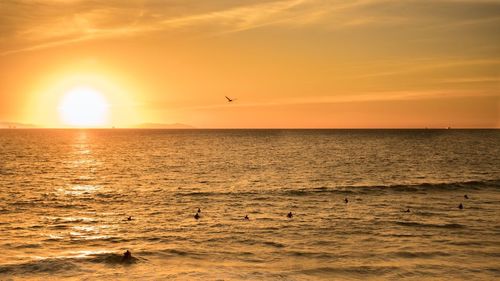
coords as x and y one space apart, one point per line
66 195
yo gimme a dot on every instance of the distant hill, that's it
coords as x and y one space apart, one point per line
14 125
164 126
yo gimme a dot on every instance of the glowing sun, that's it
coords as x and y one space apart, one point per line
83 107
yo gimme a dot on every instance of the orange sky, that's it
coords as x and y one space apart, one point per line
288 63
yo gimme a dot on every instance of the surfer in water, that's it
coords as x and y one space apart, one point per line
246 217
197 216
290 215
127 256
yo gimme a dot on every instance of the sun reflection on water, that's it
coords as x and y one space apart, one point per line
77 190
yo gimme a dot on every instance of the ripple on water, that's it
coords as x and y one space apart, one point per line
430 225
420 254
350 271
309 174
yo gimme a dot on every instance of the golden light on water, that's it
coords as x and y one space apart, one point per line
84 107
324 140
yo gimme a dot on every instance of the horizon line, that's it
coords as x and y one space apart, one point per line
258 128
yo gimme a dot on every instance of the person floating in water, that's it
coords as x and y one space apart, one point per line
346 201
129 218
127 256
466 197
246 217
460 206
197 216
290 215
199 210
407 211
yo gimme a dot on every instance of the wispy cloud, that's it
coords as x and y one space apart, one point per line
34 29
31 25
415 66
488 79
241 18
380 96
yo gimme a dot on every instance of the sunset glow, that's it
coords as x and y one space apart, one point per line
288 63
83 107
249 140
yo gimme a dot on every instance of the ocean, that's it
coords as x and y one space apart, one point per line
66 196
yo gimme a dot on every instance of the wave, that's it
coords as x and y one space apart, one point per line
39 266
65 264
450 186
111 259
445 185
355 189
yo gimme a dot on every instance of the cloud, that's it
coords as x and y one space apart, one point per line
241 18
487 79
419 65
34 24
376 96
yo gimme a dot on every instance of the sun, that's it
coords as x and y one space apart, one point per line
83 107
